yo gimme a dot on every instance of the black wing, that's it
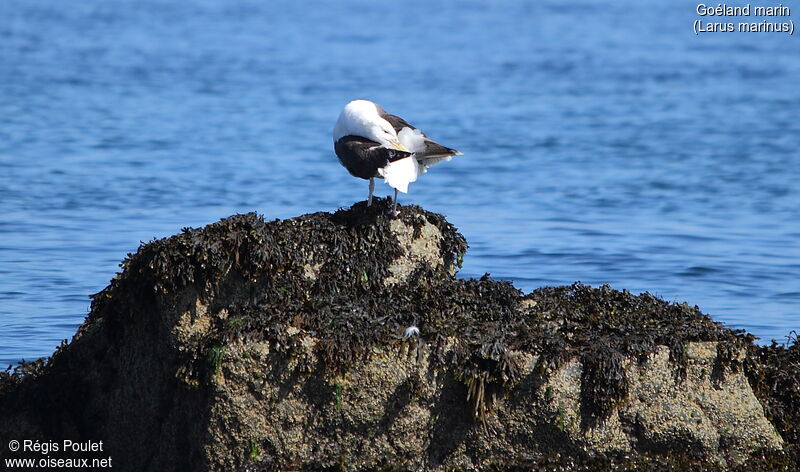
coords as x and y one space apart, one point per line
362 157
432 150
396 122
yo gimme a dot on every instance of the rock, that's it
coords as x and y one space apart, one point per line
279 346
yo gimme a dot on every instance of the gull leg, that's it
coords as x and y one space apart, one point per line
394 208
371 190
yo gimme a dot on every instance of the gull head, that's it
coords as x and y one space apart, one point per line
363 118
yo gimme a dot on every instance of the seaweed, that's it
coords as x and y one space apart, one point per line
774 374
27 371
324 275
604 384
13 376
347 306
488 371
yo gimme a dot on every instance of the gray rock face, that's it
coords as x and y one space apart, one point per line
185 364
393 409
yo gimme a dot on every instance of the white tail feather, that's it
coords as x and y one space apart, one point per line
431 161
399 174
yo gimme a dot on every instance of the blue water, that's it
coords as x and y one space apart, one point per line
603 141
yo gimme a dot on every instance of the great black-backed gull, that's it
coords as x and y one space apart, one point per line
372 143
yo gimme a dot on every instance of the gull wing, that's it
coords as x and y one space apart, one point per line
426 150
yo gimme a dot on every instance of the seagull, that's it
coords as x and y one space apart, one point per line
372 143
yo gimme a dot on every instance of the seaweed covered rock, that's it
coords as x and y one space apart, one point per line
280 345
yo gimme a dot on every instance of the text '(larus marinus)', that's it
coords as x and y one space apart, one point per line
372 143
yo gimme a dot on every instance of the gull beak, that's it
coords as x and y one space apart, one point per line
396 144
